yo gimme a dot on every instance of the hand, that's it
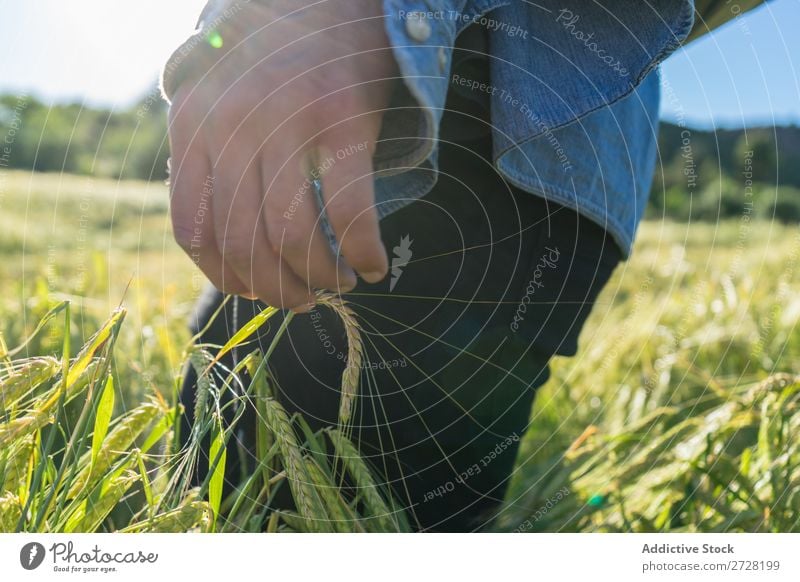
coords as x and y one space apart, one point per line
296 93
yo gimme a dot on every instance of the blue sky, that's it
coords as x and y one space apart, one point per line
746 73
108 52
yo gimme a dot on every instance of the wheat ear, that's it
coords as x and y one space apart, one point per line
355 353
308 502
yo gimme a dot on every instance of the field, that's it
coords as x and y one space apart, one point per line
681 412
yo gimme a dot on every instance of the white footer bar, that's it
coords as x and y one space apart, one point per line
389 557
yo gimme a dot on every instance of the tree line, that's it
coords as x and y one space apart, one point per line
701 175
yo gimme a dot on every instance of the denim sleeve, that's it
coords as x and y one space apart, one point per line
422 35
563 59
553 64
554 55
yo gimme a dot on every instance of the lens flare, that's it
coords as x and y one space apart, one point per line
214 39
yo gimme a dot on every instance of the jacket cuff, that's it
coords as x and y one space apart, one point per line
422 35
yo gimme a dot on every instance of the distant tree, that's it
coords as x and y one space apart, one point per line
760 147
131 144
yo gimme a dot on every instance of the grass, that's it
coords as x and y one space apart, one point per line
680 412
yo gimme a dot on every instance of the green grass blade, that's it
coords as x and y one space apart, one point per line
95 344
218 455
42 323
102 418
246 331
148 489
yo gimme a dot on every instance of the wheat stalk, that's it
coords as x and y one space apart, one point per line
365 484
117 443
341 518
24 426
17 459
90 516
41 409
308 502
192 514
294 521
10 510
200 360
355 353
33 373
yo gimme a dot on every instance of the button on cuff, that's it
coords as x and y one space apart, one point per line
418 27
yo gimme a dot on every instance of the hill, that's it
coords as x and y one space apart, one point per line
701 175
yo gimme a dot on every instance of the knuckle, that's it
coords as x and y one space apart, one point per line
338 94
230 111
237 250
286 235
295 239
226 114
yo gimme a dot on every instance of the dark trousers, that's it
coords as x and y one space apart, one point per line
457 340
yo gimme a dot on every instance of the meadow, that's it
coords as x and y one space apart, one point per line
681 411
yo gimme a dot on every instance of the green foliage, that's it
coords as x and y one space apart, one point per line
128 144
724 460
100 474
132 144
680 412
705 175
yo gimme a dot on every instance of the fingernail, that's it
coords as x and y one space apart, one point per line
373 276
302 308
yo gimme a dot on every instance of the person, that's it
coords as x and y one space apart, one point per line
467 174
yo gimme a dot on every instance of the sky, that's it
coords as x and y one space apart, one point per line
108 53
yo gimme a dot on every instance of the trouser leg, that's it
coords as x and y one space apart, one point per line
498 281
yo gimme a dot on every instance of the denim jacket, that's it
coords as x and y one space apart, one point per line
572 87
